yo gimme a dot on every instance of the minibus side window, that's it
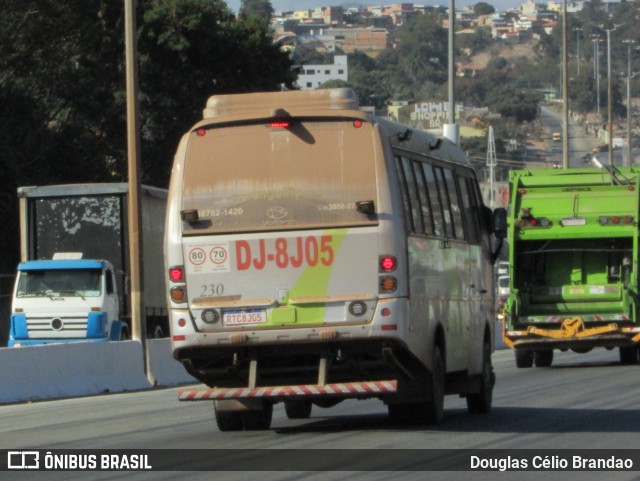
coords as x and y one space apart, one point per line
436 208
424 198
452 195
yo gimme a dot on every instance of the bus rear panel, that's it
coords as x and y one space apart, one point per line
289 262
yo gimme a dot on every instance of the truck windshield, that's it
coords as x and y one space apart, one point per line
59 283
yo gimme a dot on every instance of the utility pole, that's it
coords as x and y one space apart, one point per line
565 90
138 321
491 163
609 99
596 72
451 129
609 94
578 30
629 160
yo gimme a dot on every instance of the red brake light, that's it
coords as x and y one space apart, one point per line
282 124
201 132
176 274
357 124
388 263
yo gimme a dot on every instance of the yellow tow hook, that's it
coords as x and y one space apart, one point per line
572 327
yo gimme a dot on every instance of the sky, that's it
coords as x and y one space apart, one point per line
289 5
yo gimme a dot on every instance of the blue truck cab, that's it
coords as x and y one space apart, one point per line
66 299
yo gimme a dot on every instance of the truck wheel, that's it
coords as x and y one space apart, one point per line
524 359
124 335
156 332
628 355
543 358
298 409
258 420
228 420
480 402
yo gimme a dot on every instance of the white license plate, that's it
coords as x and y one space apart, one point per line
574 221
242 318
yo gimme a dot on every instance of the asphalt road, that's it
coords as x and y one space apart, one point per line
580 143
582 401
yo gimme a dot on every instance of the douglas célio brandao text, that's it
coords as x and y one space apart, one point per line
550 462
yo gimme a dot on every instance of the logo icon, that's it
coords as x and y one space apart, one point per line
277 213
23 460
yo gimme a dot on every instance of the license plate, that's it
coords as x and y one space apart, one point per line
574 221
243 318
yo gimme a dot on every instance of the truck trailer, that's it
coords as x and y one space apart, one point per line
72 283
573 252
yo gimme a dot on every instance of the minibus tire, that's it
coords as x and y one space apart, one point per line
480 402
298 408
258 420
228 420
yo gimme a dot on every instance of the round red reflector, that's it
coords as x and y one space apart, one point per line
630 187
357 124
627 219
522 191
388 263
533 222
182 322
615 219
175 274
201 132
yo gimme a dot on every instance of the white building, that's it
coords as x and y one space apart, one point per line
312 76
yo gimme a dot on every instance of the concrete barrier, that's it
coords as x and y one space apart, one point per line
497 337
54 371
64 370
165 369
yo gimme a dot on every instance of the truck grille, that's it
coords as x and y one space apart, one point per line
63 327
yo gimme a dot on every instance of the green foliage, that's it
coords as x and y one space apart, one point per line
483 8
421 55
259 8
478 40
522 105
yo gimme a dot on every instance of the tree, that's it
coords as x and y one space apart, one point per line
184 63
478 40
483 8
522 105
259 8
421 55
